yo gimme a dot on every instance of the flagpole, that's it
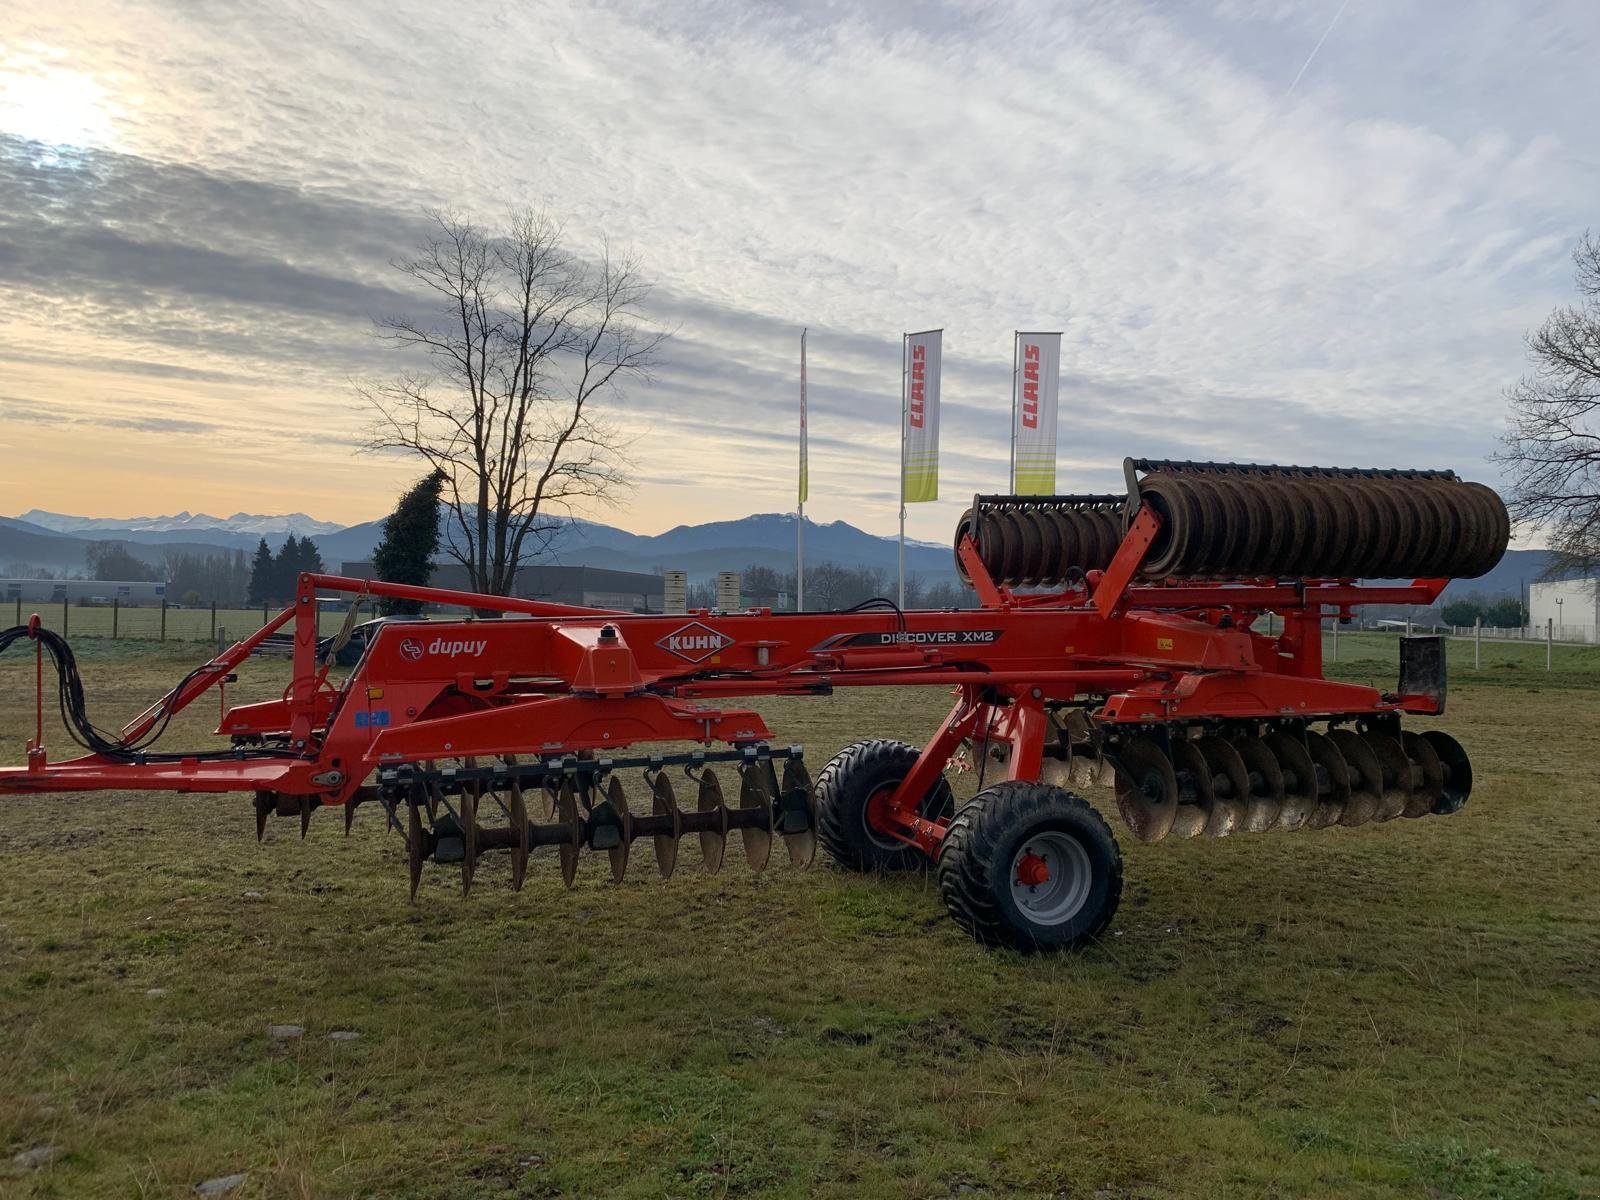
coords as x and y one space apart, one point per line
800 524
1016 344
905 339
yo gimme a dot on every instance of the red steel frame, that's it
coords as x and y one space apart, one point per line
569 679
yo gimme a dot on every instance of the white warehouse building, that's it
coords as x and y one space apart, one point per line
1571 607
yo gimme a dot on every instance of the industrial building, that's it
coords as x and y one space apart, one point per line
86 591
1567 608
589 587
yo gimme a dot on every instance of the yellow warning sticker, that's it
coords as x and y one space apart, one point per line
1163 643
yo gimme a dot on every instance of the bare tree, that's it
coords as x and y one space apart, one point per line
526 341
1552 445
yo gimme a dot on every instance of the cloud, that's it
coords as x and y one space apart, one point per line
1338 276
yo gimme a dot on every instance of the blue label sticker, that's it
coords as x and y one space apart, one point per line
378 718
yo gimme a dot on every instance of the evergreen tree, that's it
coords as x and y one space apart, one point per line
310 559
410 539
285 568
262 583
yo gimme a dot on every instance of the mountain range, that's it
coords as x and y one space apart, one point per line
249 523
56 541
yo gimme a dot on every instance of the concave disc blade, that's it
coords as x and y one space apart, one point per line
1428 776
1333 781
665 804
1195 797
1396 774
1265 798
1457 771
567 814
1299 778
712 841
754 792
1230 786
414 849
619 853
1147 789
1366 777
519 852
801 843
469 836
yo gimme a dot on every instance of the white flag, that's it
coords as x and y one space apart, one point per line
1033 413
919 478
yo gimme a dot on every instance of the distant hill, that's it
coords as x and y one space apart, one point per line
762 539
25 543
765 539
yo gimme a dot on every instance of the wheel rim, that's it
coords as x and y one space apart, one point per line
879 800
875 802
1051 878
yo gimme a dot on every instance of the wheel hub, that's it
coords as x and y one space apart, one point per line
1032 869
1051 877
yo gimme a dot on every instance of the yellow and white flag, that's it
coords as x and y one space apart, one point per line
919 459
1033 414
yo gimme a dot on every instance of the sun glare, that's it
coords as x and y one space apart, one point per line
57 105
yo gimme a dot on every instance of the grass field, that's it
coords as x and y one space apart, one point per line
1403 1010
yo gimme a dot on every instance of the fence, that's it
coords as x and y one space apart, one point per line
1581 634
164 623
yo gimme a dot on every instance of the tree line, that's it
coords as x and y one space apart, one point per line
830 585
230 579
1504 613
274 577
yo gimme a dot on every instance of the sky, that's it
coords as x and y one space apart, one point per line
1309 232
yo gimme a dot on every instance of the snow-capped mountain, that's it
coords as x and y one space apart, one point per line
252 523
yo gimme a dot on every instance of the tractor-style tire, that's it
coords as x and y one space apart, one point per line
1030 866
852 778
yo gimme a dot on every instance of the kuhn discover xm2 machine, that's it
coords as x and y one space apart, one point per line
1118 640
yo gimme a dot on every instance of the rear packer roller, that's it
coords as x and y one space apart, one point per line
1245 520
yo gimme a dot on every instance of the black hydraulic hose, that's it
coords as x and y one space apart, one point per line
75 715
879 602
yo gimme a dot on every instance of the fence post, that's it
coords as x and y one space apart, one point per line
1549 640
19 608
213 620
1335 637
64 611
163 618
1477 644
116 609
263 612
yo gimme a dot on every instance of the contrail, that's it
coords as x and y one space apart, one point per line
1317 47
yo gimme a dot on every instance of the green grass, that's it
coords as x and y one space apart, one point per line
1403 1010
